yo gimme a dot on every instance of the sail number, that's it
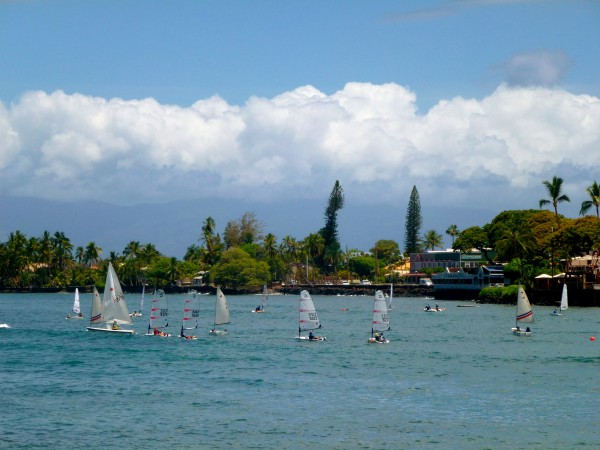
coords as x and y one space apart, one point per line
313 316
384 318
164 312
195 313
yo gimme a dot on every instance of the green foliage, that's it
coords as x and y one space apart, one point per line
413 223
506 294
387 251
237 269
331 248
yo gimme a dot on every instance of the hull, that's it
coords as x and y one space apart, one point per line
218 332
110 330
375 341
315 339
521 332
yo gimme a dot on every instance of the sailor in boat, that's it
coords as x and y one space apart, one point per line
528 330
427 308
437 308
115 325
311 336
258 308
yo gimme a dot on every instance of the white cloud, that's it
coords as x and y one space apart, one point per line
370 137
538 68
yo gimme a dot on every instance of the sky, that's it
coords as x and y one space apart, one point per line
136 120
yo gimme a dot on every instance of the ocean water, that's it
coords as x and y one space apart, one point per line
452 380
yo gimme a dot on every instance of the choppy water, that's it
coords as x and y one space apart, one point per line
457 379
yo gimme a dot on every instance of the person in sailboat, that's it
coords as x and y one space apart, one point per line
427 308
258 308
528 330
555 312
115 325
311 336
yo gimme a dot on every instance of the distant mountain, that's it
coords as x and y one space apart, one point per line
172 227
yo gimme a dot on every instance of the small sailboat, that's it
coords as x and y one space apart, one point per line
76 307
309 320
191 314
139 313
222 316
159 315
524 313
564 302
110 310
436 308
380 320
263 306
390 300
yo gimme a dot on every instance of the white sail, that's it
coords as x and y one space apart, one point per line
142 300
191 311
389 301
96 316
76 307
265 297
524 311
309 320
221 309
159 311
381 320
114 308
564 301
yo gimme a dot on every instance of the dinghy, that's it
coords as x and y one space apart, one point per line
309 319
380 320
524 313
159 315
222 316
110 310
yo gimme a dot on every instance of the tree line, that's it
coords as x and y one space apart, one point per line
529 241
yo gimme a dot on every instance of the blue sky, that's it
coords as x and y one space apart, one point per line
264 104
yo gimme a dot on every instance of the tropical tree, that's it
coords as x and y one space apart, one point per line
248 229
212 242
387 251
92 253
516 242
413 223
554 189
329 232
452 231
237 269
474 237
432 239
594 193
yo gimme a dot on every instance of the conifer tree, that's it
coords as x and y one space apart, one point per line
329 232
413 223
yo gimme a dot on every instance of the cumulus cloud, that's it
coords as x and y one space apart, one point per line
370 137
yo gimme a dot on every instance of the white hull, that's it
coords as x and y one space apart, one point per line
315 339
158 335
4 325
434 310
258 312
135 315
110 330
521 332
73 317
555 314
218 332
375 341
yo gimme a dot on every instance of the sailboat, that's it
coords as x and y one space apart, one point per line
191 314
110 310
76 307
309 320
222 316
564 302
380 320
524 313
263 307
139 313
389 300
159 315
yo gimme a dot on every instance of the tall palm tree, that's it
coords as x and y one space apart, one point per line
594 193
92 253
554 189
452 231
432 239
63 250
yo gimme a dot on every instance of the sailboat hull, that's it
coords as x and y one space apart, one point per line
110 330
218 332
521 332
375 341
307 339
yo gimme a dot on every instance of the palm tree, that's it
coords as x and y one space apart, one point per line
516 241
432 239
594 193
452 231
554 189
92 253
